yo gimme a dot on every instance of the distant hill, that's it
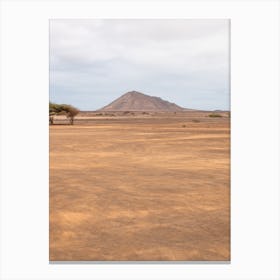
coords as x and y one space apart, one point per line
137 101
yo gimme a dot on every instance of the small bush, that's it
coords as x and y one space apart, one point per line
214 115
196 121
183 125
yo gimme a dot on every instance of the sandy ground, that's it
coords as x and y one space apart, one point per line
140 188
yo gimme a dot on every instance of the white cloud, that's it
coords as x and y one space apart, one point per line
93 56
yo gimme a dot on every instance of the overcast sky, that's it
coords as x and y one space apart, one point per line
93 62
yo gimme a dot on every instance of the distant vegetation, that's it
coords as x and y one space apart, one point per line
215 115
62 109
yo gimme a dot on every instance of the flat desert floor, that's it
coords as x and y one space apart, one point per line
140 187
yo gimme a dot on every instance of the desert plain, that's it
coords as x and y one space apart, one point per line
137 186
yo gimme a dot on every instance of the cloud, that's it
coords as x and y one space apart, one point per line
95 61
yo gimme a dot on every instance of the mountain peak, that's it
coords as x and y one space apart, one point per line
134 93
138 101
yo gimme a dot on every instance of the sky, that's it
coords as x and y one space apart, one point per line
185 61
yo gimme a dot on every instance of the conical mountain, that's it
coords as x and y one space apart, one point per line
137 101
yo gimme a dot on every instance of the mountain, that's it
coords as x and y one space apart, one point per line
137 101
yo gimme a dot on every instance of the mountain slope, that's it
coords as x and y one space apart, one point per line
137 101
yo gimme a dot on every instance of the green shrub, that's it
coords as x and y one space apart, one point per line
215 115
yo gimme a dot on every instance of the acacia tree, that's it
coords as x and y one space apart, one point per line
54 109
62 109
70 112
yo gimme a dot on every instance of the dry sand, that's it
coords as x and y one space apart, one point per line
140 188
